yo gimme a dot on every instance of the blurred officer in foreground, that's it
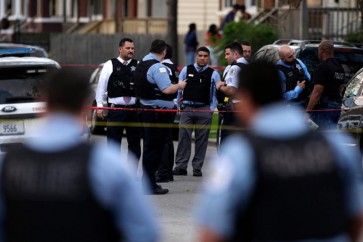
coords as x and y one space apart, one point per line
280 181
117 80
57 188
328 80
294 76
156 92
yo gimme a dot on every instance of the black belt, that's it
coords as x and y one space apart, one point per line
195 105
152 107
122 106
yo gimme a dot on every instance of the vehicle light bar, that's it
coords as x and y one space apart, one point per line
16 52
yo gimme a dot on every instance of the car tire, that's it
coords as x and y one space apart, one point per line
95 127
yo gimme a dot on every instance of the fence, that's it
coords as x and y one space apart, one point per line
333 23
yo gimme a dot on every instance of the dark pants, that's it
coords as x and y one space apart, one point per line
117 121
326 115
156 133
228 126
165 170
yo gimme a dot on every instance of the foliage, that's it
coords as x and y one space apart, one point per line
356 37
258 35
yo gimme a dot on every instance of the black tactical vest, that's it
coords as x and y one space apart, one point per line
172 74
199 84
143 88
48 198
221 97
298 193
295 73
121 81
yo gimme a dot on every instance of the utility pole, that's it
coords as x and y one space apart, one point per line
172 6
304 20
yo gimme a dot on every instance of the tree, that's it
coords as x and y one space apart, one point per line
258 35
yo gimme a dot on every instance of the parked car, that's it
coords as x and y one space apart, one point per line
350 56
351 118
20 105
96 125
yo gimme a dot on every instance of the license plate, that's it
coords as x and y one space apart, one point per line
11 127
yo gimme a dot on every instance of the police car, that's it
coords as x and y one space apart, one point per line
20 78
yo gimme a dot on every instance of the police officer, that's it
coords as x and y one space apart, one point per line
328 80
57 188
281 181
227 88
156 92
247 50
294 76
117 80
165 171
198 102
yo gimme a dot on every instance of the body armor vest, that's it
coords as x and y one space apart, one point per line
121 81
293 74
143 88
172 75
221 97
199 84
298 193
48 198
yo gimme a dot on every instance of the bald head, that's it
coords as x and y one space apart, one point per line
326 49
286 54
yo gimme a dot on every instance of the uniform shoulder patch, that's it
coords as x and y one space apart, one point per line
162 69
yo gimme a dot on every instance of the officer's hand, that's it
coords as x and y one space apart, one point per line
100 113
219 84
182 84
301 84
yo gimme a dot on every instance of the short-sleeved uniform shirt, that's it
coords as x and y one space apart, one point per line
329 74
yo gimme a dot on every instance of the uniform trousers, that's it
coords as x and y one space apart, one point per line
326 115
156 132
165 170
120 120
201 120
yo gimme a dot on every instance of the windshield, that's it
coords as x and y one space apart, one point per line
353 87
19 85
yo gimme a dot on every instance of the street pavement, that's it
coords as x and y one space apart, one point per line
175 210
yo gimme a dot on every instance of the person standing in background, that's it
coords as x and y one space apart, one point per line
191 44
211 39
197 103
156 91
230 16
117 80
247 50
165 171
244 15
328 81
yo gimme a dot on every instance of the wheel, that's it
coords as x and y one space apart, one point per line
97 125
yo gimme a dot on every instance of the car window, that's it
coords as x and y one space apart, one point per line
309 56
354 86
351 60
19 85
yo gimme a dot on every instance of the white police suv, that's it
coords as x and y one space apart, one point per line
20 108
